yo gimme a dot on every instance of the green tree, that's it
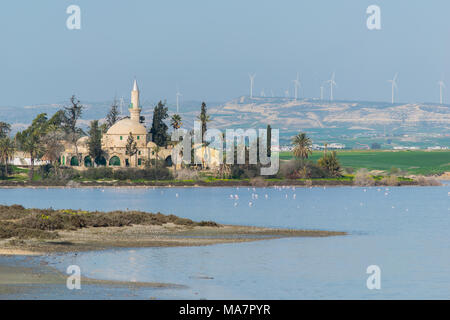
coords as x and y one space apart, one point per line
30 140
52 143
5 129
113 115
330 163
57 120
7 149
159 128
131 147
204 119
302 146
95 142
72 114
175 121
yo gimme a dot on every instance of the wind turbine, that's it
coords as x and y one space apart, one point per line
297 84
252 80
321 92
178 100
394 85
121 105
332 83
441 86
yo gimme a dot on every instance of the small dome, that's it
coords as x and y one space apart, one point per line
151 144
125 126
83 140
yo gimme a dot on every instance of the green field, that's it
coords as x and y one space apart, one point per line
414 162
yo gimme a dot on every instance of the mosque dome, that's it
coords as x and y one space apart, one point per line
125 126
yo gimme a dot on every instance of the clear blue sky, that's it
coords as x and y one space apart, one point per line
208 48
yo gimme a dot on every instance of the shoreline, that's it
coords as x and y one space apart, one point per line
139 236
29 235
204 184
18 280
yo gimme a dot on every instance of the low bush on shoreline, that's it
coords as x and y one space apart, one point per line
17 221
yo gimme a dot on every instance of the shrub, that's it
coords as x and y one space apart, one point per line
427 181
3 172
186 174
363 178
295 168
152 173
98 173
258 182
390 181
330 163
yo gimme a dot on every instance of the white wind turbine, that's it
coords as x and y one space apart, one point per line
178 100
297 84
332 83
394 86
321 92
441 86
252 80
122 102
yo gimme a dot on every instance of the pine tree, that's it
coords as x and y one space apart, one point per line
95 142
159 128
113 115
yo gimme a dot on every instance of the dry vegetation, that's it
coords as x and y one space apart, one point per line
19 222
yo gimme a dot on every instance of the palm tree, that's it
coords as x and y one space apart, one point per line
175 121
7 149
302 146
204 119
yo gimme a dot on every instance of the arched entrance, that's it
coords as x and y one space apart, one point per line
87 161
100 161
114 161
74 161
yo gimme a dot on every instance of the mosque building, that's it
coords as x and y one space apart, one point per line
114 143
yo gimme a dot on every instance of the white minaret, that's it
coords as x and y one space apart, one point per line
135 108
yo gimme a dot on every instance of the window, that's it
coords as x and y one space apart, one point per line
120 137
138 137
139 161
139 153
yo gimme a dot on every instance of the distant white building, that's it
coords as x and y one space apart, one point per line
406 148
22 159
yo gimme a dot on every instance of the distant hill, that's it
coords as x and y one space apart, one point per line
355 123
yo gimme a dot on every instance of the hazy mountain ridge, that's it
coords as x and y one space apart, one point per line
343 121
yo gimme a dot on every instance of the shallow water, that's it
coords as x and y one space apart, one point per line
403 230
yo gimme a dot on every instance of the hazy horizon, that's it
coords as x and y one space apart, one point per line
208 49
